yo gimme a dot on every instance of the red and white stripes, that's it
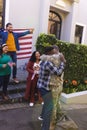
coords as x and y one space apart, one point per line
25 43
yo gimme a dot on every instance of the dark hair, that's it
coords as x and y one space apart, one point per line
48 49
8 24
33 57
0 49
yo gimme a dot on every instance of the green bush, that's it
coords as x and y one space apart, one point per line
44 40
76 57
75 54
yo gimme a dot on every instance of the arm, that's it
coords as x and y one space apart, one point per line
29 67
52 58
30 31
55 70
1 32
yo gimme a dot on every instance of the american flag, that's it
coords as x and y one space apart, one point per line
25 43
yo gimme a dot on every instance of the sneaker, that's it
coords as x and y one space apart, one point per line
42 103
5 97
40 118
15 80
31 104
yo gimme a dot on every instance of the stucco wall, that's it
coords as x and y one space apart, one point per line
24 14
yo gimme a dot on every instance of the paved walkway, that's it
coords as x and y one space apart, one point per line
20 116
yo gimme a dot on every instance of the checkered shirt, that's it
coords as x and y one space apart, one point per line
47 69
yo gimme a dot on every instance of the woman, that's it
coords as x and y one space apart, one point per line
33 71
5 70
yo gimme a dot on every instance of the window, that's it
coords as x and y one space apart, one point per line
54 24
78 34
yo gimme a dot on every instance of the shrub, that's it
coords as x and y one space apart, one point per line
76 57
44 40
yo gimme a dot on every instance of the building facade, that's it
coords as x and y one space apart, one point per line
64 18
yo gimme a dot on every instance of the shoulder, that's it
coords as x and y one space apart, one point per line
31 63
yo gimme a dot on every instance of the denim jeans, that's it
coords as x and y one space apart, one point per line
47 108
14 59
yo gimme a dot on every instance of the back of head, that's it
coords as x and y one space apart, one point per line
48 50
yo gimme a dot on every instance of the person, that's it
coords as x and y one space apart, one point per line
56 84
33 72
5 70
11 39
47 69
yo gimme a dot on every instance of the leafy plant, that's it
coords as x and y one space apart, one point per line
76 61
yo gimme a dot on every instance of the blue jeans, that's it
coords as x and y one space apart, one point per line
14 59
47 108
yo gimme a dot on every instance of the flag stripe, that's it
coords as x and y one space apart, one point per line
25 37
23 53
23 57
25 48
25 43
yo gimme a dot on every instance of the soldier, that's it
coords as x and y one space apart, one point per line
47 69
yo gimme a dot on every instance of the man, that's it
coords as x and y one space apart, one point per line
11 39
47 69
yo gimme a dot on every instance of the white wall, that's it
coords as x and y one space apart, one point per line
28 14
69 23
44 15
24 14
77 15
81 19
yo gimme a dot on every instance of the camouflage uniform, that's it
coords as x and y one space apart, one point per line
56 89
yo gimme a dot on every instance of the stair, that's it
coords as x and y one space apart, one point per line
15 93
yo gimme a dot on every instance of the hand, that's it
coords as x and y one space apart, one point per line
31 30
4 65
11 64
62 58
14 64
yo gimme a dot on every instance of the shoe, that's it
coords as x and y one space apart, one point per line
31 104
5 97
40 118
15 80
42 103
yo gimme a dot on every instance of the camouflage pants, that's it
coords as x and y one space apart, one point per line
56 89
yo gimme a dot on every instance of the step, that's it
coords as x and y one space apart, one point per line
13 98
15 93
15 88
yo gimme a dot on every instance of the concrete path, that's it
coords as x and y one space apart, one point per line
20 116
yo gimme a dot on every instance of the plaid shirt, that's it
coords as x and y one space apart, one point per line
47 68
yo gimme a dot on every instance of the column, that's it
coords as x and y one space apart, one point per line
44 16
